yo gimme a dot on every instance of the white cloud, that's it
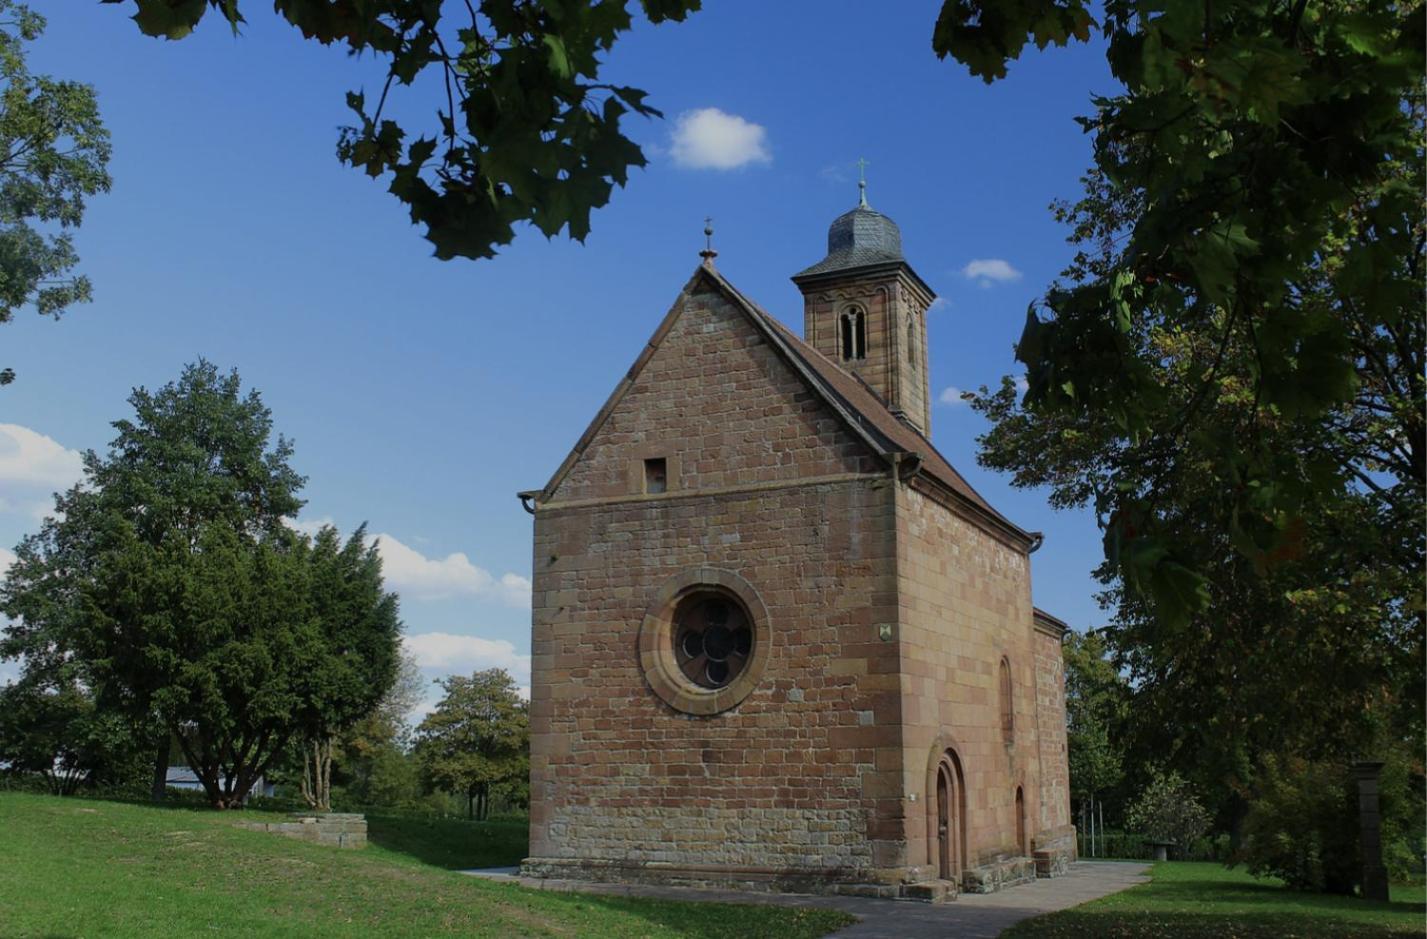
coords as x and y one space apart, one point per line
28 458
953 396
418 577
309 526
413 574
988 271
940 303
449 652
709 139
1022 385
7 557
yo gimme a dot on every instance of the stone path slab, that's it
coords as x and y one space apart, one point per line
972 916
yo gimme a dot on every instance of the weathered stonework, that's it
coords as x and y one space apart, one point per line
1054 851
337 829
863 749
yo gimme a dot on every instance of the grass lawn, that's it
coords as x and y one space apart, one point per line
1201 900
76 868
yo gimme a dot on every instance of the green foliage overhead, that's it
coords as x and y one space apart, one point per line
524 131
1267 161
169 584
1263 533
477 737
53 154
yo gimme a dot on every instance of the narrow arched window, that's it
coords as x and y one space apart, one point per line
912 342
1021 821
1008 714
853 333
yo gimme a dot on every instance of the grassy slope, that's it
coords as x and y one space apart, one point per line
79 868
1189 900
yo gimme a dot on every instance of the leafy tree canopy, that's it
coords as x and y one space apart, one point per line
54 151
55 731
1096 702
1247 416
525 133
168 583
1261 173
477 737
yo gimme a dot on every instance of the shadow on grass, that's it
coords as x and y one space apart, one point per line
1113 924
1238 892
451 843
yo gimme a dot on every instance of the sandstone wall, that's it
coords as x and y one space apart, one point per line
803 774
1054 802
965 603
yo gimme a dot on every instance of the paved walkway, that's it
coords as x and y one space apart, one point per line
972 916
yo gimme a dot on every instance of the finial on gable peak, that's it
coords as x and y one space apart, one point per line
862 183
708 254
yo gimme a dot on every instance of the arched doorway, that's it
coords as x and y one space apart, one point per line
950 819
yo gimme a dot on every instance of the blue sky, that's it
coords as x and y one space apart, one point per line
423 394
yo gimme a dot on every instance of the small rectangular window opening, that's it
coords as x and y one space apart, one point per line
656 475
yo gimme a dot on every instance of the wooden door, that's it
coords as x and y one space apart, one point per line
944 834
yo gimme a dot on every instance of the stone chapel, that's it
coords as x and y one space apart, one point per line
778 641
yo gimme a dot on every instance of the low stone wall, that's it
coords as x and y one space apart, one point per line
338 829
1054 851
997 875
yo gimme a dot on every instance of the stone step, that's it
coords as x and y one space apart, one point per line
877 891
930 891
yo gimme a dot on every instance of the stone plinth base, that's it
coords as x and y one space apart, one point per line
338 829
930 891
1054 851
759 879
999 874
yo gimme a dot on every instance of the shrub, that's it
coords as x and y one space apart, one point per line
1168 810
1303 824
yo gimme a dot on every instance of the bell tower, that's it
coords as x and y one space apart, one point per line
865 309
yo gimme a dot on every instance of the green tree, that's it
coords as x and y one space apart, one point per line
168 583
360 655
1311 647
1096 699
1169 810
1266 164
195 455
373 760
55 732
53 154
524 131
478 737
1303 823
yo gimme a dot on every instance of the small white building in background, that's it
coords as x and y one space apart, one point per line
181 777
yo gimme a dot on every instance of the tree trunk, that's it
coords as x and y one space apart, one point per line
471 804
158 786
316 785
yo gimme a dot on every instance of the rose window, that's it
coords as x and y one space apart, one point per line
713 640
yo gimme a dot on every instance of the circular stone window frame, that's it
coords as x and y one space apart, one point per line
656 642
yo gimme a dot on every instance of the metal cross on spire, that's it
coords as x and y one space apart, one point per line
708 254
861 181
